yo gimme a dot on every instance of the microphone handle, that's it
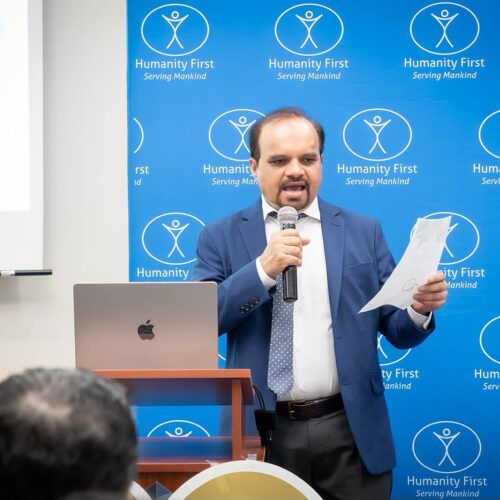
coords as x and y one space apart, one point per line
290 291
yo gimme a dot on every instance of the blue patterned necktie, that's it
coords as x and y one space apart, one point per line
280 370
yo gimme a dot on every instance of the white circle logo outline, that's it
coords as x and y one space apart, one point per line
314 5
397 360
445 53
175 5
481 340
378 109
182 421
447 422
480 131
217 119
473 226
141 140
158 217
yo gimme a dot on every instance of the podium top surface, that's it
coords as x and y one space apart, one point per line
224 373
183 387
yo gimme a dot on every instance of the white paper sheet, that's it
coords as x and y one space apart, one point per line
420 260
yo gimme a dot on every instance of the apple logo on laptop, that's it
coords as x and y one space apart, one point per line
145 331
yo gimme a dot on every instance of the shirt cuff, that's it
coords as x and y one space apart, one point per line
419 320
267 281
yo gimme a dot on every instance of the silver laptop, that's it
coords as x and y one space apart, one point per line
146 325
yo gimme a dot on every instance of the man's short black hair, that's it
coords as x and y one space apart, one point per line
281 114
64 430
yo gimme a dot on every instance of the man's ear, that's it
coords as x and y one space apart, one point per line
253 166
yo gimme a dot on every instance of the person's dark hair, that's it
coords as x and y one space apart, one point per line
280 114
96 495
64 430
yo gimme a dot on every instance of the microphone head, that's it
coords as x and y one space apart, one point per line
287 215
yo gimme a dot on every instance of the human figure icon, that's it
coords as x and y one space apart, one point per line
444 20
450 229
446 439
175 22
242 126
309 21
178 433
377 126
175 230
380 348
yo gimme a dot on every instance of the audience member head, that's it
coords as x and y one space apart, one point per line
97 495
62 431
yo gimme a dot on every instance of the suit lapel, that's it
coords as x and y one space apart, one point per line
333 241
254 236
252 230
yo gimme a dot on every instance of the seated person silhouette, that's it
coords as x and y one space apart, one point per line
64 431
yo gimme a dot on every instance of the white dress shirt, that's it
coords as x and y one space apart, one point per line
314 365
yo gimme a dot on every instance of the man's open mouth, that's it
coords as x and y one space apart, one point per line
294 187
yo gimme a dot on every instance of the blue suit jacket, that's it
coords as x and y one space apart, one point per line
357 263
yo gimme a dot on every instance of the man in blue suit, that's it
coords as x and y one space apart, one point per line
333 427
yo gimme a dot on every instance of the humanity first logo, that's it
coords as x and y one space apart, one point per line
309 29
462 240
178 429
228 133
388 354
490 340
175 29
444 28
446 447
377 134
489 134
171 238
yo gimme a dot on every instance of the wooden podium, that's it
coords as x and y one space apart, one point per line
170 460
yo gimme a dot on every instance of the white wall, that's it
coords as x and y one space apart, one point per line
85 180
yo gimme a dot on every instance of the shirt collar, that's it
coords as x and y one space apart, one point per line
311 211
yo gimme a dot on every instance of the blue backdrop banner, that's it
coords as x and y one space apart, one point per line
408 95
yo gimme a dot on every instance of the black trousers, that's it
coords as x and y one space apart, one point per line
322 452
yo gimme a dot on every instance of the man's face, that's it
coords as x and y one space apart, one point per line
289 169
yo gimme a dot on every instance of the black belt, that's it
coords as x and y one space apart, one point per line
303 410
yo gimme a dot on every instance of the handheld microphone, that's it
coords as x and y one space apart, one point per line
287 217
